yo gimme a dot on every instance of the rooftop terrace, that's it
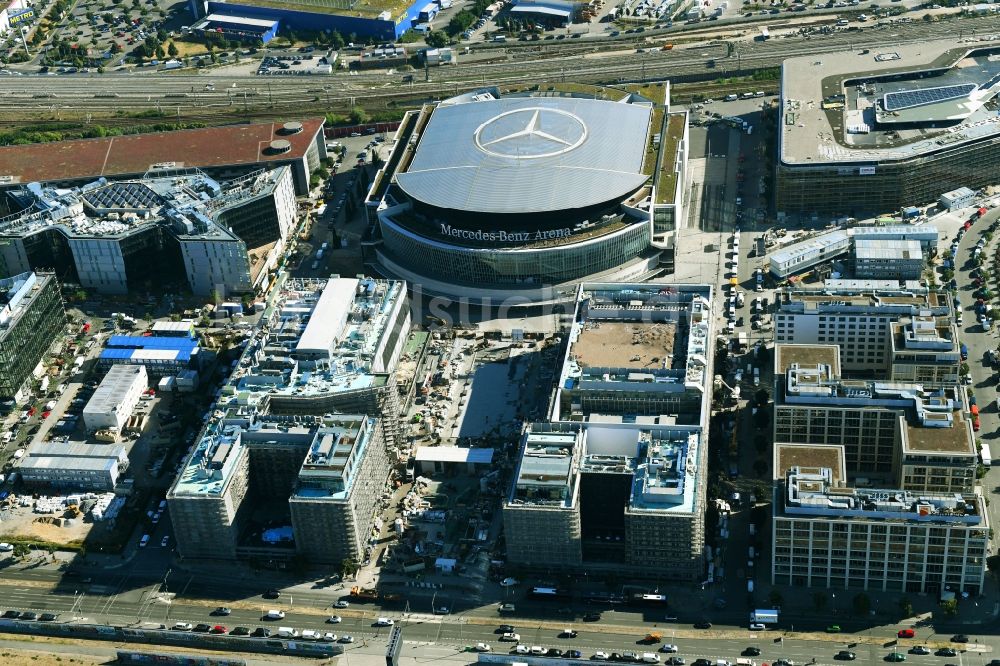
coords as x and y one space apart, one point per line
811 491
16 294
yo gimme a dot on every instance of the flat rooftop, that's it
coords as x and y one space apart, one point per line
810 457
806 356
17 293
818 108
547 471
832 300
330 468
955 439
136 154
360 8
606 344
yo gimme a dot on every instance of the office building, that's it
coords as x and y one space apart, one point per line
324 346
318 479
111 237
70 467
489 197
888 259
615 481
898 432
925 350
337 492
896 127
872 241
31 316
331 346
115 398
828 534
858 320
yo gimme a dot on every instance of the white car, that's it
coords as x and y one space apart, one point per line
334 619
183 626
601 656
329 637
510 637
757 626
342 604
668 647
6 547
522 649
384 622
483 647
508 582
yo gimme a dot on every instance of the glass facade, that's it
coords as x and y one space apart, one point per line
513 266
24 344
841 188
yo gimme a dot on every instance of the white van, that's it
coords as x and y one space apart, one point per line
310 635
287 632
650 658
7 436
731 98
537 649
275 615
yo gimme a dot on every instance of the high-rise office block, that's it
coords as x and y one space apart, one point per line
31 316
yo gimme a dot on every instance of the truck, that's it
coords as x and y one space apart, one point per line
984 455
756 376
173 64
372 594
764 34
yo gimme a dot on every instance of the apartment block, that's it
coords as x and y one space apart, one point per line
827 534
858 320
888 259
925 350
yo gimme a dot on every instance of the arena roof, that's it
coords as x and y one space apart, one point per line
135 154
527 155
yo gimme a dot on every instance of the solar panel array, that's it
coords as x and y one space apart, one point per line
907 99
123 195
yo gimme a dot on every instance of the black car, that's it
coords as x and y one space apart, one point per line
703 625
554 652
573 654
947 652
204 628
751 652
29 615
260 632
782 662
12 614
272 594
221 610
959 638
592 617
845 655
630 657
504 629
614 656
48 617
702 662
674 661
240 631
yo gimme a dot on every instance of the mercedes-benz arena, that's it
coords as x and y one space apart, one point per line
517 196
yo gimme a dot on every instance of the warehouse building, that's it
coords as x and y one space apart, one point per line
888 259
858 320
613 481
223 153
898 127
829 245
161 357
74 466
828 534
31 316
115 398
894 431
111 236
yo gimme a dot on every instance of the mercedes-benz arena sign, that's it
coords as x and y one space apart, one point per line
522 190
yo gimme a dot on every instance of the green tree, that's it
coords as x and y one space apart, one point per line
358 115
172 50
906 607
862 604
348 567
160 53
436 39
819 601
950 607
21 550
775 598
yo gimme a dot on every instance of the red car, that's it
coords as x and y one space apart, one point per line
219 629
904 633
45 415
975 424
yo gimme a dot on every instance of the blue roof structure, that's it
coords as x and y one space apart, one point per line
125 347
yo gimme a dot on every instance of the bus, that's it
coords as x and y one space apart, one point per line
649 599
548 593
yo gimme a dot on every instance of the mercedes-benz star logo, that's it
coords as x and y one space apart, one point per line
531 133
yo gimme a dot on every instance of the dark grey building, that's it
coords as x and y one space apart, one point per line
31 316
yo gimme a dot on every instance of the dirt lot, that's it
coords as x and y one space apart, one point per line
22 522
625 344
